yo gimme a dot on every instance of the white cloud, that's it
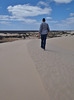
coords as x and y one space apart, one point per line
27 10
21 12
48 17
4 22
4 17
69 20
42 3
52 21
28 21
71 14
67 24
63 1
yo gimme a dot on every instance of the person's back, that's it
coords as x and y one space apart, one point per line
44 29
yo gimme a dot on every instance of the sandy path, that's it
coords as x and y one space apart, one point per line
19 79
55 66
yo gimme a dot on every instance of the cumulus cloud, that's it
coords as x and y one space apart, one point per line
23 12
62 1
27 10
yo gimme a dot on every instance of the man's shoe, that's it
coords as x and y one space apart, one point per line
44 48
41 47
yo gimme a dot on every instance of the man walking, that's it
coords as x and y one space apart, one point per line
44 29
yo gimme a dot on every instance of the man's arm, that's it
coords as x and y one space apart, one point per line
39 35
40 30
48 29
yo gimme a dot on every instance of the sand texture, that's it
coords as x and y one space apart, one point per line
27 72
19 79
55 66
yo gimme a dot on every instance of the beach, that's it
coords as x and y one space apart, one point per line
27 72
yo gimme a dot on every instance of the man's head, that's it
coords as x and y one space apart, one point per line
43 19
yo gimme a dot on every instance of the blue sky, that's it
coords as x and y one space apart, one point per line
28 14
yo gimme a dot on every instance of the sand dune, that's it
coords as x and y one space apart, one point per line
55 66
19 79
27 72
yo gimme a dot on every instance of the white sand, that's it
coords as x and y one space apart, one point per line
19 79
20 61
65 42
55 66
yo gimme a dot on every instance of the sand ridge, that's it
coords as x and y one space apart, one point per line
55 66
19 79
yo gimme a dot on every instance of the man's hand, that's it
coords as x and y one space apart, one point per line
47 33
39 35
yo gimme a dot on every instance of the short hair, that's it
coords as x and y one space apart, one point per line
43 19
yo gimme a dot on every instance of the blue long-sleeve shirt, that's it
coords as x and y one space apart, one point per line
44 28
